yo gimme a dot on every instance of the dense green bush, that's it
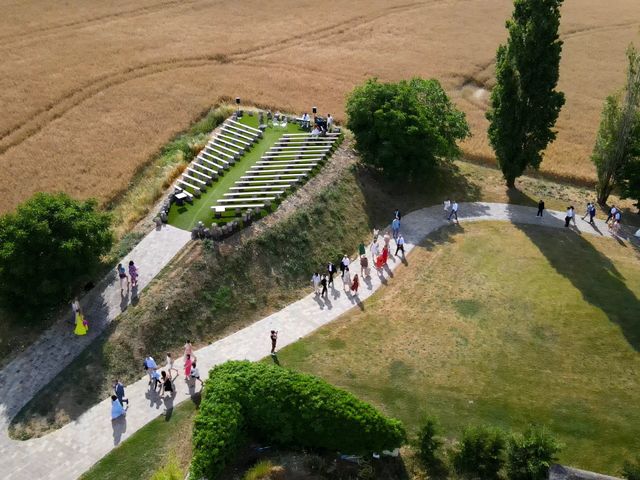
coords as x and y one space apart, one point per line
631 469
480 453
530 455
47 247
286 408
405 128
428 443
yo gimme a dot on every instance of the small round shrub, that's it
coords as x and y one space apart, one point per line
480 454
530 455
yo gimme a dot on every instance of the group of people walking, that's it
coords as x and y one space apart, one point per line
124 279
160 380
321 281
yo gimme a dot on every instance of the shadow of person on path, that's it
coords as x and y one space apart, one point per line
153 396
318 300
274 357
381 276
388 270
119 426
367 282
134 296
592 273
168 406
124 301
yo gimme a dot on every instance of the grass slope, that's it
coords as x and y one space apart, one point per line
141 455
188 216
500 325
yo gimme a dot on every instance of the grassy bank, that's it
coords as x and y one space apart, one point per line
502 325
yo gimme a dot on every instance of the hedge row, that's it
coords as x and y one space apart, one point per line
285 408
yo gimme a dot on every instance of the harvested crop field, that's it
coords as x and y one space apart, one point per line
90 90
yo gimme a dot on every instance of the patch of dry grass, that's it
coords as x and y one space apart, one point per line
90 92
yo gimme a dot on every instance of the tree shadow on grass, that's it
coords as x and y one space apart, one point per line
592 273
382 196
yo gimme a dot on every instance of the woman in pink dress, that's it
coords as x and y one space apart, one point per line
187 366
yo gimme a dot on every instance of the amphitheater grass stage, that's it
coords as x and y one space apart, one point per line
504 325
188 216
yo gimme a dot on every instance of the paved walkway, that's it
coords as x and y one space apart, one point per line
68 452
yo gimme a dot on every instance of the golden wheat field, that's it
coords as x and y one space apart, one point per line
90 90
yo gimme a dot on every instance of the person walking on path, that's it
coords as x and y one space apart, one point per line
167 383
355 283
195 375
587 211
344 264
75 306
375 251
397 214
315 281
169 366
346 280
381 260
376 233
395 227
82 326
567 218
118 389
188 364
447 206
133 273
454 211
612 213
540 209
150 366
387 239
592 213
274 340
364 266
188 349
117 410
122 274
331 270
573 215
400 245
361 249
323 284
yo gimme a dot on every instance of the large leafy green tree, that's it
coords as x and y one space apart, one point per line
618 141
50 244
524 102
405 128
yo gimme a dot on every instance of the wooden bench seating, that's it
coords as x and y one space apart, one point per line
194 179
253 205
193 171
230 151
255 193
182 190
267 183
211 171
274 177
276 170
222 165
238 133
196 190
218 154
252 199
291 161
249 188
243 126
234 140
328 134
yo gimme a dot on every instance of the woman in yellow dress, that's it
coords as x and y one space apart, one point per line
82 327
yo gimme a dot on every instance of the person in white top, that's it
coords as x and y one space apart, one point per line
329 122
567 218
315 281
447 206
454 211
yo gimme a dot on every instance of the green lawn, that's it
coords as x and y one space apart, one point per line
189 215
148 449
501 325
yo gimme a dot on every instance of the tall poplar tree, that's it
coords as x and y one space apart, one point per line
524 102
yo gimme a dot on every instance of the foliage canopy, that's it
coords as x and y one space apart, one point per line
50 244
524 102
531 454
286 408
405 128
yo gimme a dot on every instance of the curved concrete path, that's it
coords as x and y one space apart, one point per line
73 449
